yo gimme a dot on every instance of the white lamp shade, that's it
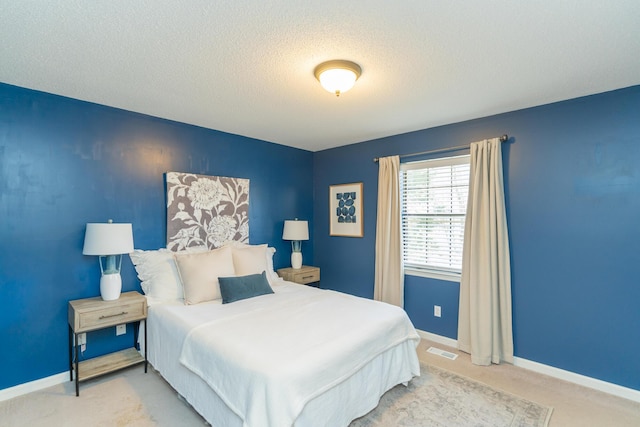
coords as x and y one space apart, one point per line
108 239
295 230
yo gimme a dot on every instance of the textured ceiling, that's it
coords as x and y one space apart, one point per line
246 67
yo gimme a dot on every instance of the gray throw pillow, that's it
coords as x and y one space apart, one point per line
243 287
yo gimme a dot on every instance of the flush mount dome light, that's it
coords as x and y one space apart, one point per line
337 76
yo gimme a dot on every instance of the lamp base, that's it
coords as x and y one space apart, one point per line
110 286
296 260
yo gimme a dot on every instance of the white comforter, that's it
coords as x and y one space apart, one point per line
267 356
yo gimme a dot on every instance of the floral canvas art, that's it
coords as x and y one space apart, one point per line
206 210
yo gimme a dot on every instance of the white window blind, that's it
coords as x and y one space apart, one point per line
434 205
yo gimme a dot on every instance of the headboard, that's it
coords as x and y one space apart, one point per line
206 210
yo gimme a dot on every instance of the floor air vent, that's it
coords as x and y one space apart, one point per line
442 353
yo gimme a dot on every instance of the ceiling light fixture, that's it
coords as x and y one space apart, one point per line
337 76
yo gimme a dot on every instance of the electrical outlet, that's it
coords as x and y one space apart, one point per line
437 311
82 339
121 329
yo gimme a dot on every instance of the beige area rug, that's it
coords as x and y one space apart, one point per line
442 398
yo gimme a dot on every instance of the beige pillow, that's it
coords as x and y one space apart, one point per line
200 271
158 274
249 259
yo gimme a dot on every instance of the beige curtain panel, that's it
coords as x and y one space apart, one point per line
485 321
389 275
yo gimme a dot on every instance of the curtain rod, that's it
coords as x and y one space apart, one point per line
503 138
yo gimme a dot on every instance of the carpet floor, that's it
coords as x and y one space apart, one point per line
132 398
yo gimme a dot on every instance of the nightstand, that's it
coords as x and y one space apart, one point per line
304 275
91 314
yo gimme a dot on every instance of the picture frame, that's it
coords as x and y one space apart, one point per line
346 214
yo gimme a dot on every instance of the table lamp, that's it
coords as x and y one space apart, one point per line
296 231
109 241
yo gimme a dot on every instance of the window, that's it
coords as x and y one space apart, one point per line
434 205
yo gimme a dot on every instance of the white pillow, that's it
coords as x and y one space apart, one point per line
158 273
272 276
200 271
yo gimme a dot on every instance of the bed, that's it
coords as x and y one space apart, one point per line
292 355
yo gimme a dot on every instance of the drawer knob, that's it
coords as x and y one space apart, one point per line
114 315
307 277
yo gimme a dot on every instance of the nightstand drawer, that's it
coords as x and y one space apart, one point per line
94 313
109 316
305 277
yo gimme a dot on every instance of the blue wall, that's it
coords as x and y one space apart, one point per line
64 163
572 182
573 202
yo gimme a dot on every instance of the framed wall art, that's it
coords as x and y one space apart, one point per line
345 210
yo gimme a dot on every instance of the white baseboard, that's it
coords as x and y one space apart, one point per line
438 338
606 387
572 377
26 388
